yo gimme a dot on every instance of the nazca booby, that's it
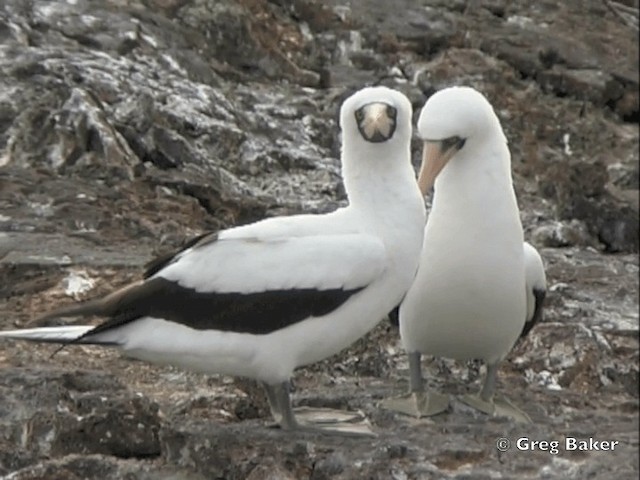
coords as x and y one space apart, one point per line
262 299
479 286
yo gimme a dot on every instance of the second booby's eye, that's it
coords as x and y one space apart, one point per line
452 142
359 115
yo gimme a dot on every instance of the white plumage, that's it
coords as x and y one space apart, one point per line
474 289
262 299
339 259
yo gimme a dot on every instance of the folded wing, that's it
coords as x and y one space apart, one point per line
536 285
241 284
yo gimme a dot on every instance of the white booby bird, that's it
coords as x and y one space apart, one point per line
262 299
479 286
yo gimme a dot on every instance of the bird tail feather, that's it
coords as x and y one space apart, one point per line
63 334
107 306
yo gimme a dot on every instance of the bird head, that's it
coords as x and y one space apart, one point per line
376 115
450 121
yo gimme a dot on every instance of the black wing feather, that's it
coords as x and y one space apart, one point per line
154 266
256 313
539 296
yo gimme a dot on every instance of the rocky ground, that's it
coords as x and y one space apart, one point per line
127 126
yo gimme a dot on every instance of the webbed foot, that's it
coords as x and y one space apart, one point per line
418 404
498 407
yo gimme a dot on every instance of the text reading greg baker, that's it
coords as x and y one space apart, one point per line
554 447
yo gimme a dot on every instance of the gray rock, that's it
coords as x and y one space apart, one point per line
557 59
59 412
625 176
77 467
579 192
563 234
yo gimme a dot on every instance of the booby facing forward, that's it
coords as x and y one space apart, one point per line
479 286
262 299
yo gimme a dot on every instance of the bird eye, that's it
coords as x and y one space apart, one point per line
359 115
392 113
452 142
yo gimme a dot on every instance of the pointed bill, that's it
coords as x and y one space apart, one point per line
433 161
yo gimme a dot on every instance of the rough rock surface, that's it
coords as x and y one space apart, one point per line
126 127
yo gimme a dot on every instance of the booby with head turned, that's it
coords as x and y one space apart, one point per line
262 299
479 286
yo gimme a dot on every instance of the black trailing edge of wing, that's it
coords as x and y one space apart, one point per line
539 296
255 313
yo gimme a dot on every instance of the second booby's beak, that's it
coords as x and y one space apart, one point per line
435 155
376 121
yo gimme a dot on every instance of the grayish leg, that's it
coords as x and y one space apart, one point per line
487 402
272 397
418 402
328 423
489 386
416 382
283 400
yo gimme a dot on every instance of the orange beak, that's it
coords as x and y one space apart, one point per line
433 161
